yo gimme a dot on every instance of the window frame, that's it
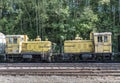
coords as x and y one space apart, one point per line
105 38
15 40
10 40
99 39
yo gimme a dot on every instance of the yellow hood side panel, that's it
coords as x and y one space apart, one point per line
78 46
36 46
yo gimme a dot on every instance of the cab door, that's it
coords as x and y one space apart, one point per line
107 44
102 43
98 42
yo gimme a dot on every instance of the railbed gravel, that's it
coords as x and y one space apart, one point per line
59 79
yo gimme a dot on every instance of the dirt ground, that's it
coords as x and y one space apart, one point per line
59 79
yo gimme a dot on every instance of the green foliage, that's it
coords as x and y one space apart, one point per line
59 20
10 17
86 22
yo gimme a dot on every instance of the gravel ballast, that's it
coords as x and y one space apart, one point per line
59 79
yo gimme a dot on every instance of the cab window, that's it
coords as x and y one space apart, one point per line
15 40
10 40
99 38
105 39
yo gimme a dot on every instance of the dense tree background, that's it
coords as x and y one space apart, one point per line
59 20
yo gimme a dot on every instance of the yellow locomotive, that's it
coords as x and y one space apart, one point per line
99 47
18 48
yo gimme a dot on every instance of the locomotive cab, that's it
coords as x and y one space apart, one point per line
103 45
102 42
14 46
14 43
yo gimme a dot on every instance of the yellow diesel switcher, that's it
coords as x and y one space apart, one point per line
19 48
99 47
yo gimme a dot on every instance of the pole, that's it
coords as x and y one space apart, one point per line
119 11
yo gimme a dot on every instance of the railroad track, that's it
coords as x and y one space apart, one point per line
61 69
61 72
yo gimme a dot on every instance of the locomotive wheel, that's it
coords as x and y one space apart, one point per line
99 59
